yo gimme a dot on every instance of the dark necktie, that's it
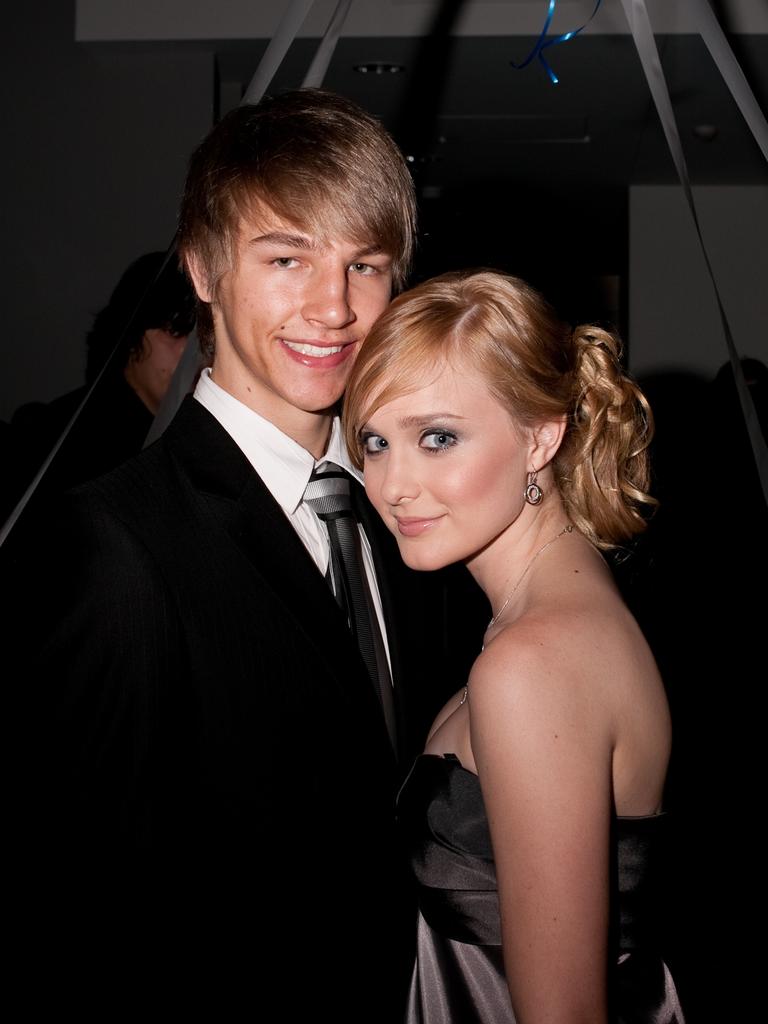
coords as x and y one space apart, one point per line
328 495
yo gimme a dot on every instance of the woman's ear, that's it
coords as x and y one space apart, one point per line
546 438
199 277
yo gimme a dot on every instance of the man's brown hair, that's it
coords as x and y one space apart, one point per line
312 157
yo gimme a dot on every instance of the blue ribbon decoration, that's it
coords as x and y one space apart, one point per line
542 42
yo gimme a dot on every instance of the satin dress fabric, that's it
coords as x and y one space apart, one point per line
459 977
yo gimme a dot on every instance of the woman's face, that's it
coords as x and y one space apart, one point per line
445 467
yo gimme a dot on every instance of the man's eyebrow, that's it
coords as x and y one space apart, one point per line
370 250
283 238
289 241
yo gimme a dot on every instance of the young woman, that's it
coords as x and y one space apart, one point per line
493 435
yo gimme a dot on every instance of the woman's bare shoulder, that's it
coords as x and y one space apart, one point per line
548 642
569 659
584 678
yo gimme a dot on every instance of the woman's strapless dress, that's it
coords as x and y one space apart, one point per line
459 972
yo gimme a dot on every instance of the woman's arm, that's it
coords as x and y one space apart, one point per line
542 742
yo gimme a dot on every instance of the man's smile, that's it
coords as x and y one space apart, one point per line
317 355
307 349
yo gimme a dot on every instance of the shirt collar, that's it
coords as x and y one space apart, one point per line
337 452
282 463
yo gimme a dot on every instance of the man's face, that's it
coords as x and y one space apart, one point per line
290 316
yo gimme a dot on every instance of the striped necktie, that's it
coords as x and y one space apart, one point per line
328 495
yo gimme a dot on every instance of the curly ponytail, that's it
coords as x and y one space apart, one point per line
602 468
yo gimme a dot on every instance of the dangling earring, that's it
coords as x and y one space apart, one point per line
533 493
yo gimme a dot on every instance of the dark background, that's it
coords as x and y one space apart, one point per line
511 172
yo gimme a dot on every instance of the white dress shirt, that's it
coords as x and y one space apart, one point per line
285 468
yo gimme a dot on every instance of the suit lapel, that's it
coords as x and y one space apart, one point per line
254 521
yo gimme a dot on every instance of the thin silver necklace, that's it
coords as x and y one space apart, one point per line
568 528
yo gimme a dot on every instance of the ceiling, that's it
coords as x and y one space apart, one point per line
511 170
467 115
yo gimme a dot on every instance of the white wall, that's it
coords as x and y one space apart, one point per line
673 318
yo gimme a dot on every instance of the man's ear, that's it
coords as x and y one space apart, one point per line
199 277
546 438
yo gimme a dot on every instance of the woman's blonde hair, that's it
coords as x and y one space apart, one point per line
539 369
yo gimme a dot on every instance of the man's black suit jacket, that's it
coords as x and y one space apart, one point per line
210 782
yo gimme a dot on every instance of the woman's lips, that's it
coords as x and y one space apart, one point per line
413 527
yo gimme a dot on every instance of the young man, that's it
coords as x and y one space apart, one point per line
216 770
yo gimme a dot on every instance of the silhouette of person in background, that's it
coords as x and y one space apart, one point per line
139 337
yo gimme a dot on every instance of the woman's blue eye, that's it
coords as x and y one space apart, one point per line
438 440
373 444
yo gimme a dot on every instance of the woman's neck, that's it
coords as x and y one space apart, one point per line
504 567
